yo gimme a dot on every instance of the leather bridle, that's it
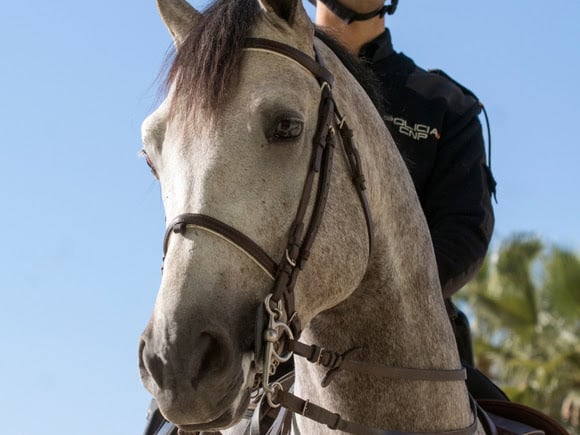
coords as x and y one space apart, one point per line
278 326
317 183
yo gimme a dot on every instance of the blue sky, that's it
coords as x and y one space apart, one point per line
81 222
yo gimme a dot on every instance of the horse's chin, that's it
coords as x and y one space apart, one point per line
220 419
219 424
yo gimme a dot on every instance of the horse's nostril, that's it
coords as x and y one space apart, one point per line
155 367
150 365
212 357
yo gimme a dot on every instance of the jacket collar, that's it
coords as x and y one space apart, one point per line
378 49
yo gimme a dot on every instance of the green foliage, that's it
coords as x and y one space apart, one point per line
563 275
526 307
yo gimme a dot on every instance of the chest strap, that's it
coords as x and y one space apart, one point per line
336 422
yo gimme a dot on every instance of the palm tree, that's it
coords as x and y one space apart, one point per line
526 319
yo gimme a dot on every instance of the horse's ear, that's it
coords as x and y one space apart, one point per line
179 18
291 11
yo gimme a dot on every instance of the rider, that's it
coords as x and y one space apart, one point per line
434 122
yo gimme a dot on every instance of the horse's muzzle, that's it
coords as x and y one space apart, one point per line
197 381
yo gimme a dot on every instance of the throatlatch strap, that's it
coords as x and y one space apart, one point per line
336 362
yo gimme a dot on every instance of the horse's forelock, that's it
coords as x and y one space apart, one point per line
206 65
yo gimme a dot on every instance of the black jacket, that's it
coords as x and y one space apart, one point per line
435 125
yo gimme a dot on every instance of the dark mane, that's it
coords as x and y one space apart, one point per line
363 74
203 69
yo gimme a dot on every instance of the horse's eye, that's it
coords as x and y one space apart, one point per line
287 129
150 163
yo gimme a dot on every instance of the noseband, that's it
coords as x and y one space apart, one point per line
278 326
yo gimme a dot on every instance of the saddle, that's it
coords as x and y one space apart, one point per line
509 418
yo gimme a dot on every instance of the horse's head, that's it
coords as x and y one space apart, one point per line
233 142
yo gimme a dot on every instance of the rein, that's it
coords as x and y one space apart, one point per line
277 325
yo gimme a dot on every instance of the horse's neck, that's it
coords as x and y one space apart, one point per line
397 316
385 328
400 297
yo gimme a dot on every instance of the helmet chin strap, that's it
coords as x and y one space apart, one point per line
348 15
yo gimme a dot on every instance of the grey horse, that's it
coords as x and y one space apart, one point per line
232 144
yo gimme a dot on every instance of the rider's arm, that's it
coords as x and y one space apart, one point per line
457 200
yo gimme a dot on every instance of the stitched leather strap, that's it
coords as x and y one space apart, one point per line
321 73
336 422
358 179
336 362
206 223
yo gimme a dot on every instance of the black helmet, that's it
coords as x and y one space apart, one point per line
348 15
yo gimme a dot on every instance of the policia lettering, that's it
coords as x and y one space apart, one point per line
417 131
